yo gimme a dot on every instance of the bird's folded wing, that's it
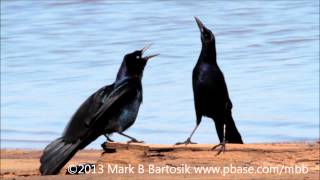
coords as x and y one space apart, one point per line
99 103
120 91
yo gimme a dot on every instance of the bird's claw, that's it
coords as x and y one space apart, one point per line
222 149
134 141
188 141
104 146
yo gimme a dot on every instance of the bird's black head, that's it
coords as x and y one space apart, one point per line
133 64
207 36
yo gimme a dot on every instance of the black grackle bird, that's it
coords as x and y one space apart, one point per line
111 109
210 91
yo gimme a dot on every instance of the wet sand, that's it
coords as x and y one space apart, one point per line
286 161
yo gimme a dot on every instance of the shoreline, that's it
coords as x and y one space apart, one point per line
23 163
168 144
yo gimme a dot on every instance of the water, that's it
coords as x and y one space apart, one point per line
54 54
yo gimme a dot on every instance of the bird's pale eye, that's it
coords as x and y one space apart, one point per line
138 57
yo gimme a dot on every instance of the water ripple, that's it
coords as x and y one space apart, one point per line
55 54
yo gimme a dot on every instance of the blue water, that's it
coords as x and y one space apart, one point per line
54 54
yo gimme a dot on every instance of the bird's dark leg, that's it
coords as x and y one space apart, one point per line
188 141
103 145
108 138
133 140
223 143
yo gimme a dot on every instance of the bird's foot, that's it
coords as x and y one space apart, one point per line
134 141
188 141
222 149
104 146
107 149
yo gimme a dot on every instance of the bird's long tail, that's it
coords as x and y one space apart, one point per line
56 155
232 134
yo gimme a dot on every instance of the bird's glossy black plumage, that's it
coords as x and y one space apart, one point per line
211 98
111 109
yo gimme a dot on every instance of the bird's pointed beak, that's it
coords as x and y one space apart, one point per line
200 24
151 56
143 50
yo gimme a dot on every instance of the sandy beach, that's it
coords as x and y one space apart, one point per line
121 161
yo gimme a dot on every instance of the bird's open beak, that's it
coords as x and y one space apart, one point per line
200 25
151 56
145 49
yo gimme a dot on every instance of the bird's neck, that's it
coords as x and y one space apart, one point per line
208 53
124 73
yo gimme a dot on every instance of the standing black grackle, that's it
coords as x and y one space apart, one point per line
113 108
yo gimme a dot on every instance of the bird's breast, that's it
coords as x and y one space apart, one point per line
206 73
129 113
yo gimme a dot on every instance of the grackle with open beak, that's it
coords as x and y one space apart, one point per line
111 109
